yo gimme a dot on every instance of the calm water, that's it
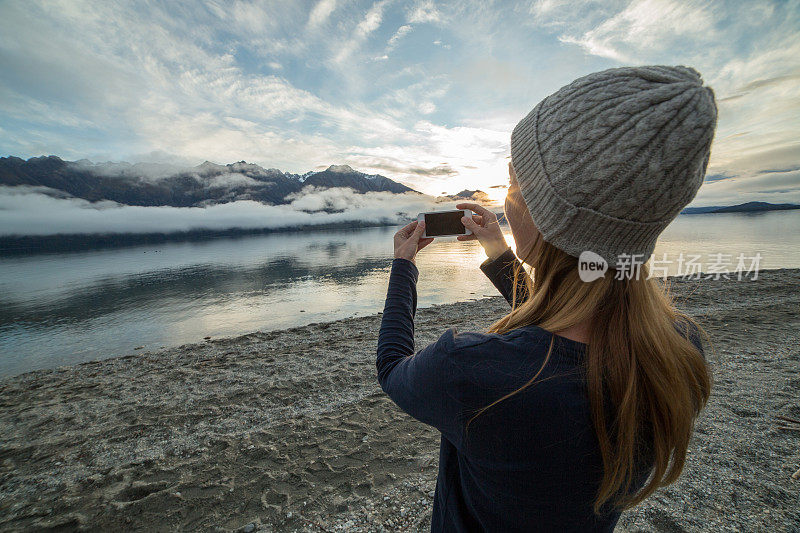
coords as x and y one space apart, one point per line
58 309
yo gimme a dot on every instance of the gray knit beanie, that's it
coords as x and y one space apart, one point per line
607 162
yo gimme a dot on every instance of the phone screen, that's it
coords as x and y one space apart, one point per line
447 223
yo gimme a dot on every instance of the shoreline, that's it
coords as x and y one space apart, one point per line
289 430
21 245
205 340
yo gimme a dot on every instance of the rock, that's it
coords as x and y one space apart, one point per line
249 528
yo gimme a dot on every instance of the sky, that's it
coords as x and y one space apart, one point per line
425 93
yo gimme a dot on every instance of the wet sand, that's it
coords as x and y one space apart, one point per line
289 430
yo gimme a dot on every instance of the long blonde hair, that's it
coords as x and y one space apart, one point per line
638 358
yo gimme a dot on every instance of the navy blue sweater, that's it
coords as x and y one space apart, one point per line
531 462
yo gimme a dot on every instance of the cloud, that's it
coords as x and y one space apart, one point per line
401 168
146 171
755 81
757 84
426 108
371 22
232 179
753 158
173 94
29 211
319 15
764 173
459 157
646 24
401 31
424 11
297 85
341 199
774 187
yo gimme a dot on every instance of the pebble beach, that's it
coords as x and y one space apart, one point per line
289 430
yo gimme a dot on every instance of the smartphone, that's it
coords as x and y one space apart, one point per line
444 223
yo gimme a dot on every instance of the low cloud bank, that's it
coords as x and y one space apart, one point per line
34 211
775 187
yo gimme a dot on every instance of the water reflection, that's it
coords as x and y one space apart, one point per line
63 308
213 282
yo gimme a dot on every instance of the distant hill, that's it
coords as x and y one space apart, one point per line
146 184
466 195
756 206
749 207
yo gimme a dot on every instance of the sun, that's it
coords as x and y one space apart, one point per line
497 195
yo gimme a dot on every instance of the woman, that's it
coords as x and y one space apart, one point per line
581 401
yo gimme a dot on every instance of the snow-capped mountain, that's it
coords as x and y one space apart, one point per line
148 184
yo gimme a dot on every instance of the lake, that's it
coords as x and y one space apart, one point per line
65 308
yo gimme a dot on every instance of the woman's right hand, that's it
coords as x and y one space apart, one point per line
485 228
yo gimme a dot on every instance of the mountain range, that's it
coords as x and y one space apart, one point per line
150 184
154 184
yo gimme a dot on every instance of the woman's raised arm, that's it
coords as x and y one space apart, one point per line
501 263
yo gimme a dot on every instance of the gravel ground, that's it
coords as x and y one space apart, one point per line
289 430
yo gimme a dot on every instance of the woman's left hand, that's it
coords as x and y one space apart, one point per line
408 241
